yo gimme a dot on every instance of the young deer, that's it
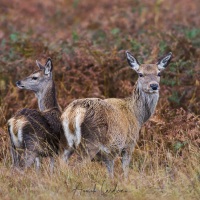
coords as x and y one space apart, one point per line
110 127
36 133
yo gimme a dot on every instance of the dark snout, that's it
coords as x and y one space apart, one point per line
19 84
154 86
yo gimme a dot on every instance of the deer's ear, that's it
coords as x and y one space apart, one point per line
163 62
48 67
132 61
39 65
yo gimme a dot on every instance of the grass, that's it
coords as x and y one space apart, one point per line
175 178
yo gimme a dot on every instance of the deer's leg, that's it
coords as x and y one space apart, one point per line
67 154
126 158
52 162
32 147
110 167
30 157
91 149
15 156
37 164
109 160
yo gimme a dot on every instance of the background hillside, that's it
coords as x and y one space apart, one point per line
86 41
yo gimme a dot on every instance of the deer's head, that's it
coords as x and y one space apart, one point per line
148 74
39 79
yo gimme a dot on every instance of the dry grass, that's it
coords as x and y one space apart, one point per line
175 178
86 40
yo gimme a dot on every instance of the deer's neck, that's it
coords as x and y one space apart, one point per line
143 104
47 98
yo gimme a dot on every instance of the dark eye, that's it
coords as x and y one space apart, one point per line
140 74
34 78
159 74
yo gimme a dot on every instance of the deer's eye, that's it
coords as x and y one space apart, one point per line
140 74
34 78
159 74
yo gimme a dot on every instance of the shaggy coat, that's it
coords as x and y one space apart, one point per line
36 133
110 127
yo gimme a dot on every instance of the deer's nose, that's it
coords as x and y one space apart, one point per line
154 86
18 83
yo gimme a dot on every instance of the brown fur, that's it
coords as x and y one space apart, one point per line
111 126
37 133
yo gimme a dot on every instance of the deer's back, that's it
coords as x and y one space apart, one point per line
36 131
108 122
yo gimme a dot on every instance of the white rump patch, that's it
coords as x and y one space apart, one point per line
73 138
68 135
78 121
20 135
17 124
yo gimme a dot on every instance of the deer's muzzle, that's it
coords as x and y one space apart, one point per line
18 83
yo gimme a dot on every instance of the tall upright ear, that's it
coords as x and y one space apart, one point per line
163 62
132 61
48 67
39 65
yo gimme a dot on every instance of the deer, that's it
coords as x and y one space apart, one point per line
106 128
36 133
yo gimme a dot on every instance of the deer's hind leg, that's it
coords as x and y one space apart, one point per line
15 157
37 163
109 162
126 158
52 163
30 158
67 154
108 158
31 151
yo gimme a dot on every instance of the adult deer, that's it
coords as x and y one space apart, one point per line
111 126
36 133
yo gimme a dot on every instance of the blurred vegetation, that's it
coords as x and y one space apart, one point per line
87 40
